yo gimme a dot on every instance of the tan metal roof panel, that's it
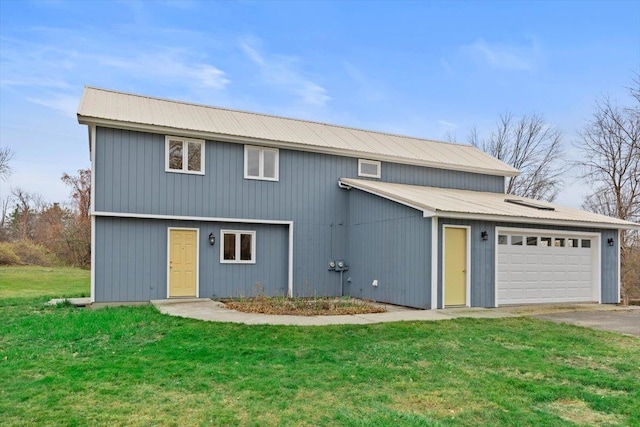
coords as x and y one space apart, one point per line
482 205
136 111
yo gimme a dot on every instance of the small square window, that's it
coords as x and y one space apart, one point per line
261 163
532 241
184 155
502 239
559 243
545 241
238 247
572 243
369 168
586 243
516 240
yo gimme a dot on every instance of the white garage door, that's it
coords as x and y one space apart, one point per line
541 267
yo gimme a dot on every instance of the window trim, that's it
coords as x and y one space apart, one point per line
370 162
237 234
185 154
261 151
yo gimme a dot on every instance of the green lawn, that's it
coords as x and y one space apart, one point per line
34 281
134 366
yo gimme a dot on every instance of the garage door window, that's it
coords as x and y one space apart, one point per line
545 241
586 243
559 243
572 243
502 239
532 241
516 240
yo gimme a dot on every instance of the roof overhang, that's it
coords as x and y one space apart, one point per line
164 130
430 207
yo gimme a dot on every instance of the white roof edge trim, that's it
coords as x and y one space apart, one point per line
541 221
85 120
426 212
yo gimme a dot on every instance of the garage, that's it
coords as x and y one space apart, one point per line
546 266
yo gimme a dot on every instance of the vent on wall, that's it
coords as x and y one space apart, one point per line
529 204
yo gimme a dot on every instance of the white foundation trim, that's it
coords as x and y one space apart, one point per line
434 262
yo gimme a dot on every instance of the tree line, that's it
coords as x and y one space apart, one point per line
35 232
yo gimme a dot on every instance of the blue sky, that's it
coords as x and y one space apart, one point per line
427 69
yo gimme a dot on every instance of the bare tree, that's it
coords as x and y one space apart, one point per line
610 144
5 157
530 145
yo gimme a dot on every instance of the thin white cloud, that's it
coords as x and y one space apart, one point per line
514 57
448 124
369 90
65 104
282 71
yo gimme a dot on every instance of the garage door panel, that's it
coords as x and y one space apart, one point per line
535 274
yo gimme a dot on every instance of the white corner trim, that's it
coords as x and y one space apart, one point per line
619 262
93 259
197 230
290 269
434 262
92 202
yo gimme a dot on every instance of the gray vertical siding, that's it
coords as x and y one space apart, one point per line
483 259
131 260
391 243
609 267
130 177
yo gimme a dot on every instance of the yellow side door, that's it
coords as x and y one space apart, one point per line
183 263
455 266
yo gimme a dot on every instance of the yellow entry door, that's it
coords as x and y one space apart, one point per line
455 266
183 263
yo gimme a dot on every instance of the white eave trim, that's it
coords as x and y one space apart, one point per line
191 218
426 212
287 145
540 221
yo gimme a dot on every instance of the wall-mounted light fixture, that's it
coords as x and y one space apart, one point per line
610 241
212 239
484 235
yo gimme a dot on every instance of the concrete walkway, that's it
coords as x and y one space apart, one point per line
214 311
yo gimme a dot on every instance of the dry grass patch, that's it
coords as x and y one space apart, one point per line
313 306
578 412
587 363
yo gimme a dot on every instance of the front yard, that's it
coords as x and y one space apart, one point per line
134 366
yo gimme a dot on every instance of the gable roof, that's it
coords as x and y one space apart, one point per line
124 110
466 204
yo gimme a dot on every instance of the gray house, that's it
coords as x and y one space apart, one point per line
196 201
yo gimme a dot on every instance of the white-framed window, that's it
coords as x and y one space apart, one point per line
184 155
238 247
261 163
369 168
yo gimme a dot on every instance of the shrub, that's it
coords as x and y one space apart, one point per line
8 255
32 254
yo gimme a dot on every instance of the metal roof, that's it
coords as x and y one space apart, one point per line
444 202
137 112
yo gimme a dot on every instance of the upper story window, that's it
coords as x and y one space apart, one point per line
261 163
184 155
369 168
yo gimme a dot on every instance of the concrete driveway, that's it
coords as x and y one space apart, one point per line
621 321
